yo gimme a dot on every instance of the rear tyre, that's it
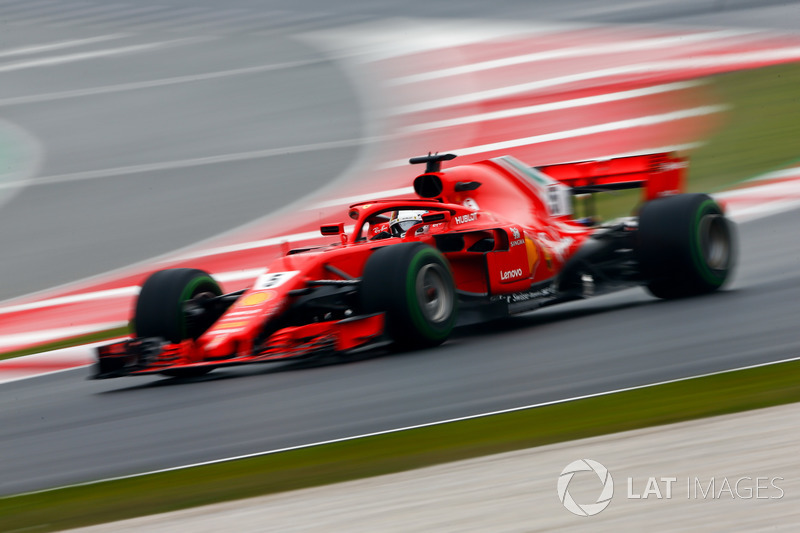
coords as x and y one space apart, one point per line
686 246
160 308
411 283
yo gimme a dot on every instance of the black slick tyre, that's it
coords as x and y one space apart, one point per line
160 308
413 285
686 246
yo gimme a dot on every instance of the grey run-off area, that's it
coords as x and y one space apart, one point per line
107 138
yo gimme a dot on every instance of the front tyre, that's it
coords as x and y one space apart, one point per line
413 285
160 309
686 246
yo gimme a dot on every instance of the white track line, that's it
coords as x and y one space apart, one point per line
791 172
240 247
779 54
84 14
29 10
761 210
391 38
72 299
119 13
552 106
38 48
136 85
38 337
187 163
762 200
572 51
121 292
580 132
109 52
407 428
350 200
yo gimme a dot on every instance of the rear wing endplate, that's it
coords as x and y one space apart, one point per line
658 175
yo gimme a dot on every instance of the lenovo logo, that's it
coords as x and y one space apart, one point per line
510 274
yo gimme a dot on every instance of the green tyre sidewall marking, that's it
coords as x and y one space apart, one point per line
701 267
192 288
415 312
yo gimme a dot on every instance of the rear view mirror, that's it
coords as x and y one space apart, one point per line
439 216
332 229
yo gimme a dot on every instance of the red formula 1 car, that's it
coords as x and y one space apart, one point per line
479 242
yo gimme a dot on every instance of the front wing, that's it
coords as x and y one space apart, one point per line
155 355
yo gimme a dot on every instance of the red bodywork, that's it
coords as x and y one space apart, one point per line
524 212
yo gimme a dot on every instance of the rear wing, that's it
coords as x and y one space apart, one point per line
658 175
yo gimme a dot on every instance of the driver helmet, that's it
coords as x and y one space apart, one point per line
402 221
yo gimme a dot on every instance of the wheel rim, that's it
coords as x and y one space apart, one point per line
715 242
433 293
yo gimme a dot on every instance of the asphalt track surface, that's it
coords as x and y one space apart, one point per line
62 429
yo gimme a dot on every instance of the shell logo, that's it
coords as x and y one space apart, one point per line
231 325
257 298
533 255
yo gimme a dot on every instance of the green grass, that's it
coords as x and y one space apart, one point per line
394 452
67 343
760 133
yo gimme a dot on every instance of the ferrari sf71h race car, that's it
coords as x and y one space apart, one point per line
478 242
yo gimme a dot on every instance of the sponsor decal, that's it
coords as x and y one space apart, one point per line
515 235
256 298
510 274
270 280
470 203
230 325
558 200
533 255
671 165
544 293
463 219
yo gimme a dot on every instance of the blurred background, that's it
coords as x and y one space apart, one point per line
140 135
